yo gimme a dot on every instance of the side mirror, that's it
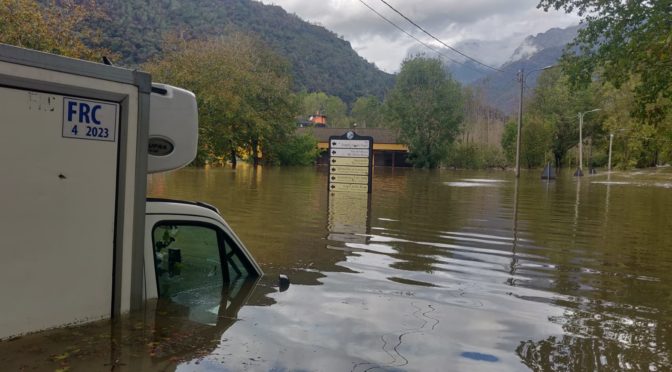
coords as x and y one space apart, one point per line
283 282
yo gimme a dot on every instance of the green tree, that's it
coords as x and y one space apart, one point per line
557 103
297 150
367 112
535 144
242 89
509 141
52 29
473 155
426 105
331 106
538 134
320 60
636 143
621 40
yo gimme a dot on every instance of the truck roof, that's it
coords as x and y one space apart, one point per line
184 207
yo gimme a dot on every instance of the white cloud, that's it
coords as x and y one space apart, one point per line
453 21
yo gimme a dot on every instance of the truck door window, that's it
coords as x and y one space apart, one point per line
186 257
196 258
237 266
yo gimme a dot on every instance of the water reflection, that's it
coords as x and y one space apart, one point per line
161 337
349 217
432 275
514 246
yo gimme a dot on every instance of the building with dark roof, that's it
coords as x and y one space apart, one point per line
387 150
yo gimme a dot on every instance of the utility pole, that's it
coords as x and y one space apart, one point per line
611 141
579 170
521 78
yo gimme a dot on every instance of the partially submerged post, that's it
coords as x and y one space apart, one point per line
579 170
548 173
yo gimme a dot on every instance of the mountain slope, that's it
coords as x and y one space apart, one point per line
544 49
321 61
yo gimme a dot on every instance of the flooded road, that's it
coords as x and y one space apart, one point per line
438 270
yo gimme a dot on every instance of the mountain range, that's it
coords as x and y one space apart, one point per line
321 60
501 88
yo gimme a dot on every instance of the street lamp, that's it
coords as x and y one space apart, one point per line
611 142
579 170
521 77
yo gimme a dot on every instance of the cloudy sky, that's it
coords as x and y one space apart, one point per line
489 30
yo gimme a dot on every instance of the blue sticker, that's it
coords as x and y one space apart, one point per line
89 119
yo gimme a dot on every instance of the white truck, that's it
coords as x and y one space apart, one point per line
79 241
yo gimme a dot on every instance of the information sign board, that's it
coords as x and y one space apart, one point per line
348 178
357 162
352 187
350 153
349 144
342 169
351 161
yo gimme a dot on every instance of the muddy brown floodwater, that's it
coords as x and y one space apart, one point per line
436 271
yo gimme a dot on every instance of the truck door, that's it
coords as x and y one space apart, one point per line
193 260
57 208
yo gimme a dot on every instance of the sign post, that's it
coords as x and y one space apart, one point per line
350 171
350 163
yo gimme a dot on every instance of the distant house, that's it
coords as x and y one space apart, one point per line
319 120
314 121
387 150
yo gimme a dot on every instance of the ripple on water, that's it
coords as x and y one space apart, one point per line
554 275
469 184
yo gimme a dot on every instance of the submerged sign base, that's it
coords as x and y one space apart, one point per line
350 163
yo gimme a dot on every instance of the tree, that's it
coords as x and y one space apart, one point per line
367 112
636 143
621 40
426 105
58 30
242 89
538 135
298 150
482 124
509 141
473 155
557 102
331 106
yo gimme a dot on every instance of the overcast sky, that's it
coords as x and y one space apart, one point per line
498 26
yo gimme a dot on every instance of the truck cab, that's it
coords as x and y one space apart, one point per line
79 241
191 251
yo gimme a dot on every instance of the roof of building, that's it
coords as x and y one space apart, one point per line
380 135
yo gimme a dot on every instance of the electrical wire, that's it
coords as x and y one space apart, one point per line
408 33
418 40
437 39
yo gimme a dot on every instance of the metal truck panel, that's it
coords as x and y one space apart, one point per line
70 203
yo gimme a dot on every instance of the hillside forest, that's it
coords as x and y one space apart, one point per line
252 90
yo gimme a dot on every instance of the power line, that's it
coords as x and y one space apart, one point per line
437 39
407 33
416 39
